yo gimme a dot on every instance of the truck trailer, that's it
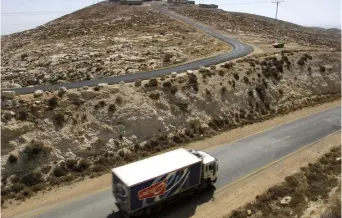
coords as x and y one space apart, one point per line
143 187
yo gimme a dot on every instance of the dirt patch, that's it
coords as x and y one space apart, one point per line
77 190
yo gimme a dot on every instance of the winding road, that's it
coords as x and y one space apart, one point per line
239 50
236 159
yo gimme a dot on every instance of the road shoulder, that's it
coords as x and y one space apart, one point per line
244 191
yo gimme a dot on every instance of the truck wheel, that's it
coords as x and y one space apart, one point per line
157 208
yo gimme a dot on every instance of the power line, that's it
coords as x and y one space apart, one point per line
277 2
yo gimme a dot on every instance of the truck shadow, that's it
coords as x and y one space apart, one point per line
182 208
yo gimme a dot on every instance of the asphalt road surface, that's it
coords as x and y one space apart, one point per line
239 50
236 159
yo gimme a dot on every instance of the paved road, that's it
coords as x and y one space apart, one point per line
235 160
239 50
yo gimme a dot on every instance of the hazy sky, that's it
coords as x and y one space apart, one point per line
18 15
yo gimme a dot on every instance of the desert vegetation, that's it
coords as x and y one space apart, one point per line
291 198
67 135
102 40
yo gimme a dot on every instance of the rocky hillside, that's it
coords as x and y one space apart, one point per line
105 39
262 26
57 136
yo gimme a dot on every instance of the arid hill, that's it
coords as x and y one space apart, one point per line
105 39
263 26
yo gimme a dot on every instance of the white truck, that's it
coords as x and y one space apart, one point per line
144 186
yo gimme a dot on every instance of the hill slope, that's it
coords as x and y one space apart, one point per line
263 26
105 39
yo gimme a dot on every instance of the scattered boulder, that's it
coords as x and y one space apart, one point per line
103 84
38 93
6 104
173 74
249 212
8 94
285 200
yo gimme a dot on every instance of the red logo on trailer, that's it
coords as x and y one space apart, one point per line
153 190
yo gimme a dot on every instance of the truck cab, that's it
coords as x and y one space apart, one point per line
210 165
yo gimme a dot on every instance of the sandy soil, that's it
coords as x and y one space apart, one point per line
80 189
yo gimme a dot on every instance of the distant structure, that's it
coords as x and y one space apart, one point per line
207 6
178 1
131 2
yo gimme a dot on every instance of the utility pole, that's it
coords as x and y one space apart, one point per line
277 2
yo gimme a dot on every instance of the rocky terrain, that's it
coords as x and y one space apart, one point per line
314 188
259 26
106 39
56 137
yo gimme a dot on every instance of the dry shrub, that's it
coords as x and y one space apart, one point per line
111 108
26 193
236 76
155 96
311 183
71 163
59 172
32 178
137 83
36 149
39 187
193 81
53 102
118 100
98 168
153 82
13 159
17 187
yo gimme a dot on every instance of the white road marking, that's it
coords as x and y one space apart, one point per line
281 139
